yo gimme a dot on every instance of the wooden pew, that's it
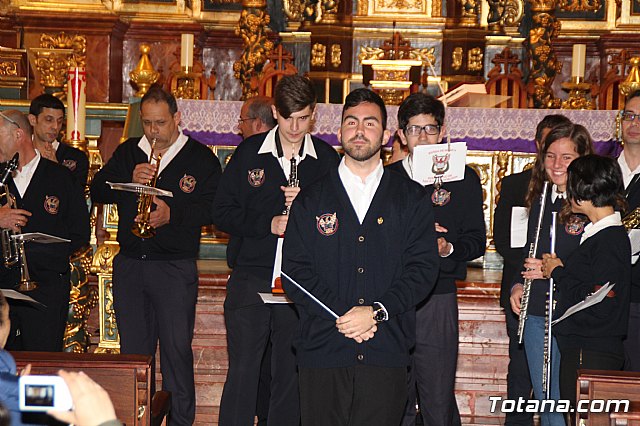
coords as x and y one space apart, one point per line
127 379
609 385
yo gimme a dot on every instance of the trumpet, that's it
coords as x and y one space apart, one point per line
143 228
13 251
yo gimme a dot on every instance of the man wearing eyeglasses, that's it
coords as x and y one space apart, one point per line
461 237
48 201
629 161
256 116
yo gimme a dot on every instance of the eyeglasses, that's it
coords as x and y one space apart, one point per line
10 120
429 129
242 120
629 116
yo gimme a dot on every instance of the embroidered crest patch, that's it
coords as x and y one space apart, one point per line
574 225
440 197
51 204
256 177
187 184
327 224
69 164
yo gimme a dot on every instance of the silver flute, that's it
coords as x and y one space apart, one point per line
533 248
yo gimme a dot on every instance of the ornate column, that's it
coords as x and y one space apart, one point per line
251 27
544 63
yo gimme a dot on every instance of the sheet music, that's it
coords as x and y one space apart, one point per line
139 188
431 159
277 264
39 237
271 298
12 294
590 300
634 238
519 226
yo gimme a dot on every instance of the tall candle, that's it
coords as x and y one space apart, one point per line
76 104
578 60
186 51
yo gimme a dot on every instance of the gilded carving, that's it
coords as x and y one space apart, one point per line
482 171
367 52
456 58
8 68
252 29
82 300
579 5
502 161
318 55
470 13
336 53
474 60
513 13
78 43
544 64
143 75
403 5
391 96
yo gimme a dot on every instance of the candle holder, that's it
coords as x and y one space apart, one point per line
144 76
578 95
187 84
632 82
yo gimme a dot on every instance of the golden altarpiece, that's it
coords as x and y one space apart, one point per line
518 46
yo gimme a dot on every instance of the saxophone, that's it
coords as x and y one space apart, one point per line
632 219
533 248
293 182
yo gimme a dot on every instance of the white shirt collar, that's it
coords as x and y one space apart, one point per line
360 193
627 173
593 228
55 145
269 145
555 194
173 150
22 178
408 166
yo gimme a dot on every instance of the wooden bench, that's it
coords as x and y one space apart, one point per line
607 386
127 379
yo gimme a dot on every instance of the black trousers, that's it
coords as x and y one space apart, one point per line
352 396
156 300
574 359
41 328
434 362
518 378
249 329
632 342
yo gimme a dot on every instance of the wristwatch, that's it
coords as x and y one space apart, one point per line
379 312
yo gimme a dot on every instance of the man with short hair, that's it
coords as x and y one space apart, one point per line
629 162
513 190
46 115
362 240
155 278
47 201
250 206
460 227
256 116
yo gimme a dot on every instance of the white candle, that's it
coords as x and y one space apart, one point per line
186 51
578 60
76 103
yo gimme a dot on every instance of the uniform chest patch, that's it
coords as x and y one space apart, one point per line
70 164
327 224
188 184
575 225
256 177
51 204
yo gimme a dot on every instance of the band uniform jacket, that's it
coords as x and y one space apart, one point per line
58 208
391 258
512 194
192 176
249 198
76 161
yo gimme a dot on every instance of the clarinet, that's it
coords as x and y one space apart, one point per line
550 305
533 248
293 180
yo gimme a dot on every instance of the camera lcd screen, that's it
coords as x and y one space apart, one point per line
39 395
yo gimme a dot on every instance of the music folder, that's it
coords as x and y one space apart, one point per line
139 188
39 237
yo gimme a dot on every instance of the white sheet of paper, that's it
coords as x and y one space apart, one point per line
425 165
590 300
519 226
139 188
39 237
12 294
274 298
277 264
634 238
